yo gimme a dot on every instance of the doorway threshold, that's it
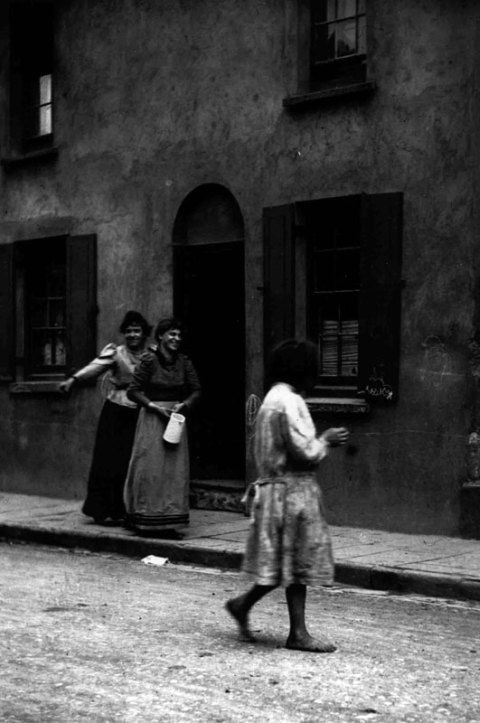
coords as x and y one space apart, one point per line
217 494
223 484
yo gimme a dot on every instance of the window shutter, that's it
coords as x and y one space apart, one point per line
6 313
81 300
380 303
279 275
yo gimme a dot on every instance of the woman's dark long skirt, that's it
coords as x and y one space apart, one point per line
111 456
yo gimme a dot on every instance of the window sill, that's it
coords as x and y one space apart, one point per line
25 159
37 387
318 97
338 405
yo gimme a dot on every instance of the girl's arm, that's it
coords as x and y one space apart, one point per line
299 434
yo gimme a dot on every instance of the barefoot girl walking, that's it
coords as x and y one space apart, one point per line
289 542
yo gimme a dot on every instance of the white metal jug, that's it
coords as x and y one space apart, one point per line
174 428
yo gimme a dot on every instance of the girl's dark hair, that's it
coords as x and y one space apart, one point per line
165 325
134 318
294 362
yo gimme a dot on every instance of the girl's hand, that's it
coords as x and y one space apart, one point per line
336 436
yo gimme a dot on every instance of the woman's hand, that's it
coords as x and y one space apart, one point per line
161 411
336 436
180 408
67 385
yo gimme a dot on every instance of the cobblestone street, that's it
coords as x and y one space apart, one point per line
99 638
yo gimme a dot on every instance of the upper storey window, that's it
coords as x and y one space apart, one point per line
338 42
38 107
31 46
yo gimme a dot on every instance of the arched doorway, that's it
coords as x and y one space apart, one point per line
209 296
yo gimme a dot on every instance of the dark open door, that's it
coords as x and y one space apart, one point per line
209 298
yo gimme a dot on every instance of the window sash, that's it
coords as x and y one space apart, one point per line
44 308
334 326
38 108
332 229
321 53
32 64
290 305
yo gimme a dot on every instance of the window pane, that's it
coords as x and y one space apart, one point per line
346 38
57 313
346 232
361 6
48 348
56 282
58 349
329 334
323 237
347 276
336 329
349 306
338 348
42 348
45 120
346 8
324 272
38 313
324 42
45 82
349 348
347 223
37 282
45 307
323 10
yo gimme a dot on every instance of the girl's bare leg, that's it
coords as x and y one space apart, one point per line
299 637
239 608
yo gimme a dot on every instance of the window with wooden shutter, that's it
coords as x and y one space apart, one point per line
351 277
47 307
41 296
332 229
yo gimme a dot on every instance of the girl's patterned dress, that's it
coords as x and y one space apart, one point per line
289 541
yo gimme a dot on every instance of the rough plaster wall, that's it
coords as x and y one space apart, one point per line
156 98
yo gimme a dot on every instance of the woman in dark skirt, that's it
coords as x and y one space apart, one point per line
118 419
157 485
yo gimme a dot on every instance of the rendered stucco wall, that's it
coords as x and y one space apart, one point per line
154 99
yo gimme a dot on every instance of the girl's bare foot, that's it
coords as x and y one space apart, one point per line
234 607
309 644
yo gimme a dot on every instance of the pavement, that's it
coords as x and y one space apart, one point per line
430 565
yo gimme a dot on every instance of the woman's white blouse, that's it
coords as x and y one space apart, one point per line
118 364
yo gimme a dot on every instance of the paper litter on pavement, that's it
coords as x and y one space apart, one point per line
155 560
